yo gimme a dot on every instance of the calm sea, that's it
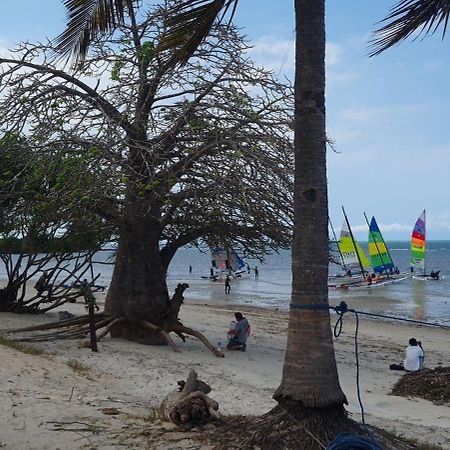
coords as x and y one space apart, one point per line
424 300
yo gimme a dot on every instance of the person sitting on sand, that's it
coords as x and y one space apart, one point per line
239 334
413 360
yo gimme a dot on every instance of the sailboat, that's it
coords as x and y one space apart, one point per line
352 253
354 260
225 261
382 264
378 252
418 252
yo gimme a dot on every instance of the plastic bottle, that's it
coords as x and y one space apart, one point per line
219 345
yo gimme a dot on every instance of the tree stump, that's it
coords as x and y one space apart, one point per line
189 406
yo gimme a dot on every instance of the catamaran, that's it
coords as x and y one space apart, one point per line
382 264
354 261
418 252
225 261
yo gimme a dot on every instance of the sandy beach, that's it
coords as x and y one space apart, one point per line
46 404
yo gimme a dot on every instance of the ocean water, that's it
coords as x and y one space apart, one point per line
413 299
423 300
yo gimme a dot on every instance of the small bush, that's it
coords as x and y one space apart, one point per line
77 366
21 347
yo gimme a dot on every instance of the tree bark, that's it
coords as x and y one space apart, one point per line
138 290
309 373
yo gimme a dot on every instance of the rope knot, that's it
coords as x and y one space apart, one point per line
342 308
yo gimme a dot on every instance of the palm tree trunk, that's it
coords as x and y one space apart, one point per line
309 372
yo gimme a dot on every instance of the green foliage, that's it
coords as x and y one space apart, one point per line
46 199
115 72
146 52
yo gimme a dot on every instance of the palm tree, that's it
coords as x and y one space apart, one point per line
310 380
406 18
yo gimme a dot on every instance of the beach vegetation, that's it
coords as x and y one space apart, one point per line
46 223
78 366
21 347
178 159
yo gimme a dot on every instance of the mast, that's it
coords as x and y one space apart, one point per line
376 245
337 242
354 244
425 244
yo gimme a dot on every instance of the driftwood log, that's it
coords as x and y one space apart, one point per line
189 406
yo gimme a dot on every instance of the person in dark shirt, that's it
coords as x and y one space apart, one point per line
239 333
227 285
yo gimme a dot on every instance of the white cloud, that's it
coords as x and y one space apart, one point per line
279 54
379 113
384 227
433 65
4 52
333 53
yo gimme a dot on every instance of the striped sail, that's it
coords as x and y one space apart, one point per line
418 243
379 254
348 251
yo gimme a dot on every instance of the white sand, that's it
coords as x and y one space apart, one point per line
36 391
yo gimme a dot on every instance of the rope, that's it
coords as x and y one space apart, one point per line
343 308
346 441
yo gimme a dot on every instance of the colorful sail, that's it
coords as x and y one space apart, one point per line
378 252
349 252
418 243
226 259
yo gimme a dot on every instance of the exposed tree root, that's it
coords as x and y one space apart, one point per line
60 324
179 328
109 327
294 427
79 326
162 332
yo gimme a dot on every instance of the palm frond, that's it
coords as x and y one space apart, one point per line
407 17
188 22
85 20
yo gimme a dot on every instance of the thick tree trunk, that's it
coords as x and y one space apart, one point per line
309 373
138 290
8 297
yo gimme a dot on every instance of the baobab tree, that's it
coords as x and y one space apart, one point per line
197 154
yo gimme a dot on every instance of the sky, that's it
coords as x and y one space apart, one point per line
387 114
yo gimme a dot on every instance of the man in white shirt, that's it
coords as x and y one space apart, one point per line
413 356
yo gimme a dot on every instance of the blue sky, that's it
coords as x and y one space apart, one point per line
388 115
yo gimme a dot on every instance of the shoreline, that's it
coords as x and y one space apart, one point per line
134 378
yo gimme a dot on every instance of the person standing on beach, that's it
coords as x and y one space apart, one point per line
190 269
227 285
256 272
